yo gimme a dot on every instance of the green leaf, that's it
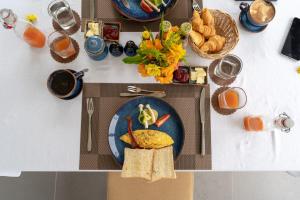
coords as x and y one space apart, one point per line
133 60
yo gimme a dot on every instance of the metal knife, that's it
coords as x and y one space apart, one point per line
155 94
202 117
126 3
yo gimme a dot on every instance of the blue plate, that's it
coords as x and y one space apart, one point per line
118 126
138 14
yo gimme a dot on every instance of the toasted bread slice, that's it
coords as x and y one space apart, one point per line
163 164
138 163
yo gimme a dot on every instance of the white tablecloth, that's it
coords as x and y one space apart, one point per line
39 132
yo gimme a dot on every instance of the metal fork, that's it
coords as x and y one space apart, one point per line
196 6
135 89
90 111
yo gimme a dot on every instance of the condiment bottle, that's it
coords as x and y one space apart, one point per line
284 123
130 48
23 29
96 48
116 49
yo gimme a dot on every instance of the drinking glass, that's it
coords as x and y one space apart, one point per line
62 13
228 67
61 44
232 98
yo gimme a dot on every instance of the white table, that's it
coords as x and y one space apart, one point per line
39 132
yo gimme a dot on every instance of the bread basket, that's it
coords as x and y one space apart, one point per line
226 27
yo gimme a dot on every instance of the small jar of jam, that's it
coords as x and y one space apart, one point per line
96 48
116 49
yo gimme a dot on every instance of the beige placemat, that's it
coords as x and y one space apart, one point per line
185 99
105 11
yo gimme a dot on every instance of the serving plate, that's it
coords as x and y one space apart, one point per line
136 13
118 125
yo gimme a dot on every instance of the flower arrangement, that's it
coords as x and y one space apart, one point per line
160 56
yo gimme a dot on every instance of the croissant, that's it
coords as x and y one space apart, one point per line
208 47
207 17
213 45
219 40
197 38
209 31
197 22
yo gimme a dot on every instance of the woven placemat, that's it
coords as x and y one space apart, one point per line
215 102
217 80
72 30
105 12
69 59
185 99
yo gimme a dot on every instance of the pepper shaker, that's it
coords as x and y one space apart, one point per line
130 48
116 49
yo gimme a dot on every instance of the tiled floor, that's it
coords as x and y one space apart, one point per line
208 186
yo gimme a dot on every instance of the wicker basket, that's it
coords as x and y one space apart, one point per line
226 27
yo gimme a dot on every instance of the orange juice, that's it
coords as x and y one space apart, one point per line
34 37
253 124
63 46
229 100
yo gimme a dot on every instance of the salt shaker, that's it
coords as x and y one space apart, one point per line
284 123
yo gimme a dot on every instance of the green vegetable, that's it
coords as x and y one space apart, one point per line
157 2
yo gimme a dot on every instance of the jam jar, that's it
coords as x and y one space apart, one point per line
96 48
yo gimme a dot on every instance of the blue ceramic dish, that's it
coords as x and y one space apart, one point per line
136 13
118 126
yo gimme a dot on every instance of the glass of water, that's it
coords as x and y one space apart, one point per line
62 13
228 67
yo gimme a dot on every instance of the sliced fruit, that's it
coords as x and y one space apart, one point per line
186 28
162 120
146 7
166 26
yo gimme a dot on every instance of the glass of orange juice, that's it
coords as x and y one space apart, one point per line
233 98
61 44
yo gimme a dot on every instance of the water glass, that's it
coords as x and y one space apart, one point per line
61 12
232 98
228 67
61 44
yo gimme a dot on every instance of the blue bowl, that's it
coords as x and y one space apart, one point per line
118 126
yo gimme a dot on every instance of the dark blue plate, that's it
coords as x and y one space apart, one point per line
138 14
118 125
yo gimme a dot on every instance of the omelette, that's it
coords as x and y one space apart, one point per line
149 139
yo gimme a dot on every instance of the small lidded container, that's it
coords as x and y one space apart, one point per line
96 48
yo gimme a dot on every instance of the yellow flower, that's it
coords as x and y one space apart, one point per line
146 35
298 70
142 70
31 17
166 75
153 70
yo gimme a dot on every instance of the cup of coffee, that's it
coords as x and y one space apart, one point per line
65 83
257 14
